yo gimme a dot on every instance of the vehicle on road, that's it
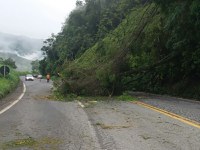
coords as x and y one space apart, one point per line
35 75
29 77
39 76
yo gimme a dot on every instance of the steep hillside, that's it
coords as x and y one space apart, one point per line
154 47
98 70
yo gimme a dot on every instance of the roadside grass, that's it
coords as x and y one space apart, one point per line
126 97
59 97
8 83
31 143
73 97
19 143
92 99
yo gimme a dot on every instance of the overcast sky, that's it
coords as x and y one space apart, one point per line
34 18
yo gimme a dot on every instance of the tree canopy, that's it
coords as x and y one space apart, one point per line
118 45
9 61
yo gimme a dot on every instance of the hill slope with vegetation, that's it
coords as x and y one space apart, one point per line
107 47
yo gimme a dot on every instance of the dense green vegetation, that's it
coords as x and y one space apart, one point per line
8 83
106 47
9 62
35 66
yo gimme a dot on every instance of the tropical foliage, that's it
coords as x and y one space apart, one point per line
8 83
35 66
107 47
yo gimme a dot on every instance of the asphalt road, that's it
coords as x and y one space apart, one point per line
38 123
183 107
128 126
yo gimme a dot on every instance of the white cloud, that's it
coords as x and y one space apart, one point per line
34 18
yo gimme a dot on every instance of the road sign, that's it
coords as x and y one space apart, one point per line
4 70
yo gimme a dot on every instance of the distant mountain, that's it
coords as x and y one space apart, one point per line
21 63
21 49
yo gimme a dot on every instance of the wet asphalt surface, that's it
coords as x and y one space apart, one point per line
183 107
127 126
36 123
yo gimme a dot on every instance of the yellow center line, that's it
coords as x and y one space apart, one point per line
169 114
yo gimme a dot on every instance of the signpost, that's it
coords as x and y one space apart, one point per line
4 70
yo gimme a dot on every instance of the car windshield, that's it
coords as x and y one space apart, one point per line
29 75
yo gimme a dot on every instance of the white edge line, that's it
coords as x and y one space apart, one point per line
15 102
81 104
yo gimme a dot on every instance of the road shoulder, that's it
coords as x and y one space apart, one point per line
11 97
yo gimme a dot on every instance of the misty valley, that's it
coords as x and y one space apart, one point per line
21 49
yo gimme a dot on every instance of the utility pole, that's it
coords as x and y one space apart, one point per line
4 71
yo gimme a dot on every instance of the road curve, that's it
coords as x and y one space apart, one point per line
37 123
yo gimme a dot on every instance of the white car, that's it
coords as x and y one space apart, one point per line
29 77
39 76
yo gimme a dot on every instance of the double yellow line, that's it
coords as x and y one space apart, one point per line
172 115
